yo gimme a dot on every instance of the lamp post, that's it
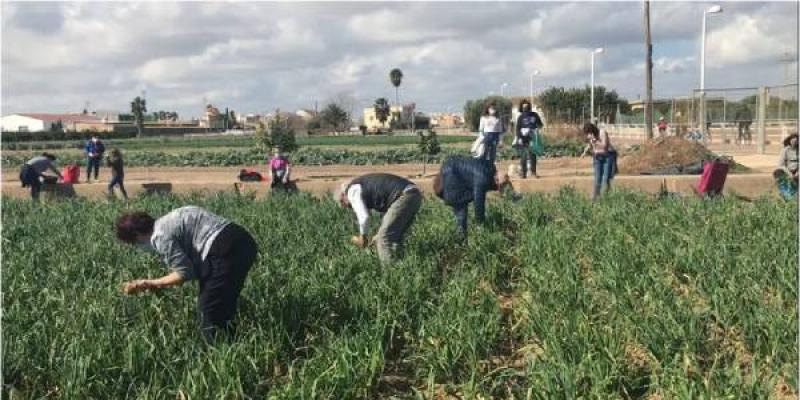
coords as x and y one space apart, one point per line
502 89
715 9
534 73
591 107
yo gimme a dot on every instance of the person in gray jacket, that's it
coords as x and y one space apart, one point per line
196 245
32 173
397 198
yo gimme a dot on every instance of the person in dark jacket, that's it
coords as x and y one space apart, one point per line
117 173
32 173
196 245
528 124
94 153
397 198
462 180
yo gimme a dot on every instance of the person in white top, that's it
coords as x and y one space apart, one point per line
604 155
491 127
397 198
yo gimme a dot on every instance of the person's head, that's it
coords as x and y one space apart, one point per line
490 109
135 227
660 118
52 157
790 140
276 151
340 195
116 153
779 174
524 106
591 131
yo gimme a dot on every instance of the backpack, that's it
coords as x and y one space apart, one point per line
71 173
250 175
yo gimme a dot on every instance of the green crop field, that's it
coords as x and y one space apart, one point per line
555 297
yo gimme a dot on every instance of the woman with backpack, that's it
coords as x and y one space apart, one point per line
114 161
528 124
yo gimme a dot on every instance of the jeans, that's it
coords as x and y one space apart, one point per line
526 155
92 163
116 180
222 277
604 169
395 223
490 145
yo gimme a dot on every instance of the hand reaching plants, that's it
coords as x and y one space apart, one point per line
136 286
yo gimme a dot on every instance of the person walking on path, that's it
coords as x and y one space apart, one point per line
463 180
528 124
604 157
114 161
491 127
32 173
94 153
788 159
196 245
397 198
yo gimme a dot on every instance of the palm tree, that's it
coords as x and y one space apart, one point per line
382 110
138 109
396 77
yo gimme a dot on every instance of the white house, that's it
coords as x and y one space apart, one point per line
39 122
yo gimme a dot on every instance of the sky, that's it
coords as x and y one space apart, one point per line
254 57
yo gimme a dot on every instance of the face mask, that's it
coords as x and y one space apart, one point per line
146 246
526 107
492 111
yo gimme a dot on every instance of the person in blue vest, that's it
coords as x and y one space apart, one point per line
397 198
94 153
528 123
463 180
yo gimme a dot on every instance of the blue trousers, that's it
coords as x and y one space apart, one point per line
604 170
490 145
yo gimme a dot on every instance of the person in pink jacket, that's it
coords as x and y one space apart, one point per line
280 170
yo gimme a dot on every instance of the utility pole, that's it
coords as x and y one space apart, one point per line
648 107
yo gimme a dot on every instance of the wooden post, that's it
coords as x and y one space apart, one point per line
648 107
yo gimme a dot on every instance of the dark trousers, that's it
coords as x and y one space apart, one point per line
29 177
92 163
526 155
116 180
490 145
222 277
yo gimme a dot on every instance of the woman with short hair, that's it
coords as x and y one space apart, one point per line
196 245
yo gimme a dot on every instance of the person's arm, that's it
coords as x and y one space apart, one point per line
135 286
586 149
481 124
362 213
782 159
519 127
539 123
55 170
288 172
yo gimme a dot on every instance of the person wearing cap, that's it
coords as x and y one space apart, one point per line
662 126
397 198
196 245
463 180
32 173
94 153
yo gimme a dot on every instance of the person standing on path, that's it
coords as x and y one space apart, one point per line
114 161
604 157
32 173
397 198
463 180
196 245
491 127
94 153
528 124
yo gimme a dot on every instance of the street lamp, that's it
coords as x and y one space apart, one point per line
715 9
534 73
502 89
591 110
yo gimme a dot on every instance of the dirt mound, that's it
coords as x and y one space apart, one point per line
661 154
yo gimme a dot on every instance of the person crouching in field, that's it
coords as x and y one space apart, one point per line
462 180
114 161
604 157
280 171
197 245
32 173
397 198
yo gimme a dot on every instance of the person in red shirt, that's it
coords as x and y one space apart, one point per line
662 127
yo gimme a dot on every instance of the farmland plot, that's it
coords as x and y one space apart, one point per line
555 297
